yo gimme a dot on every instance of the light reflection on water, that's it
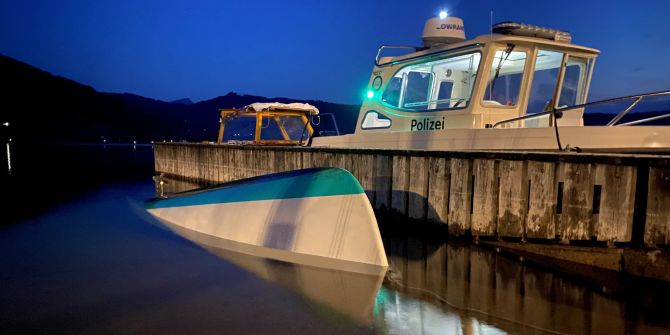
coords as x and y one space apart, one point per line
399 313
9 160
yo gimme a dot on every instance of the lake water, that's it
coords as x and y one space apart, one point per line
79 255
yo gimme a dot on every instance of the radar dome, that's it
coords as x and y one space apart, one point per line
445 30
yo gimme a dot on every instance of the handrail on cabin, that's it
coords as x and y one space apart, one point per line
379 51
435 53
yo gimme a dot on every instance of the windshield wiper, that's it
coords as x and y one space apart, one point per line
508 52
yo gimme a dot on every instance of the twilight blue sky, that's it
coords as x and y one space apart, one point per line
302 49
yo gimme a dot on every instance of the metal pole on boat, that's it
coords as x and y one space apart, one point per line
491 26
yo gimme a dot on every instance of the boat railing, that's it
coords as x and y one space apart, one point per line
558 112
435 53
457 101
327 132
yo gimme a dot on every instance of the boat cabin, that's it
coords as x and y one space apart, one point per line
267 124
516 70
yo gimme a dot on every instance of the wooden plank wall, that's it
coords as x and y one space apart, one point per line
657 229
534 196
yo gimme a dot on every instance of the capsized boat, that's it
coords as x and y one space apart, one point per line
318 217
522 87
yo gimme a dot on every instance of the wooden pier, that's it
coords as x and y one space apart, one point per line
617 200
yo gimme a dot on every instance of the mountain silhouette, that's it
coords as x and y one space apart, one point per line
53 109
184 101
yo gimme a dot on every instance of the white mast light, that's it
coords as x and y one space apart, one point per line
443 14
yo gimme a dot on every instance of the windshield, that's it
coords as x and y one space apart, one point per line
273 127
240 127
433 84
505 78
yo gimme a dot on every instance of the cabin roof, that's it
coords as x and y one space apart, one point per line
275 107
497 38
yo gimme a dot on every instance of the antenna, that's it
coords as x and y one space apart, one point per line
491 26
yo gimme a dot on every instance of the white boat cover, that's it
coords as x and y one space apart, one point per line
268 106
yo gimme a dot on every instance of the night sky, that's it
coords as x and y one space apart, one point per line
302 49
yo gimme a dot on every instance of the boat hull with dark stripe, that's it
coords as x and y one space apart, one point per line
319 217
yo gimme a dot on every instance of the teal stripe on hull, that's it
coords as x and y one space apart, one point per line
317 182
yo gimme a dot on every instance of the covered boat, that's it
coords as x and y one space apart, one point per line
271 123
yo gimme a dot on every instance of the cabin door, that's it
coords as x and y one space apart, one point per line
544 88
559 80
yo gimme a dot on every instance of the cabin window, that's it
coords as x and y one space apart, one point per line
417 91
240 128
391 95
504 82
270 129
444 92
545 78
284 127
433 84
572 91
294 126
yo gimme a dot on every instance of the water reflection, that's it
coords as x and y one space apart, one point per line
398 313
9 159
432 285
436 287
346 293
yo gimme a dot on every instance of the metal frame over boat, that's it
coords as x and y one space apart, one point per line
522 87
274 124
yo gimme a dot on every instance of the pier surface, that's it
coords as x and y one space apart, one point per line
617 205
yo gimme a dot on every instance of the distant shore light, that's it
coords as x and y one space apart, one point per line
6 124
443 14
